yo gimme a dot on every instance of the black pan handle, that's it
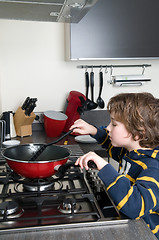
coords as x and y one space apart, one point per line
92 164
63 168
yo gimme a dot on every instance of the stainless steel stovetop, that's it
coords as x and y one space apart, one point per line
77 198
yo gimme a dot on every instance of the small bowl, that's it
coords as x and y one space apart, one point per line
11 143
54 123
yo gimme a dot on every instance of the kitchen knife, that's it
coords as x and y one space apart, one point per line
26 103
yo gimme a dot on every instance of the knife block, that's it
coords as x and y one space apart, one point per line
23 123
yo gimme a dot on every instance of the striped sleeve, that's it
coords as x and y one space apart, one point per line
134 200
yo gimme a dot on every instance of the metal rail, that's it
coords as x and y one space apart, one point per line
114 66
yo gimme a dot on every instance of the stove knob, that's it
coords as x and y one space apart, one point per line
98 188
94 181
90 175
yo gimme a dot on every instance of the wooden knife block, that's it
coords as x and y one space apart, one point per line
23 123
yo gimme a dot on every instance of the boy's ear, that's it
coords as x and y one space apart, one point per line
136 138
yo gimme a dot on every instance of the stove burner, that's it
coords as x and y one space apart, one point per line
11 209
69 205
34 185
41 185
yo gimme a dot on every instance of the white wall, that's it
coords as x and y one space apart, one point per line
32 63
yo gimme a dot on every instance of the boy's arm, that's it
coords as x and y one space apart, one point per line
134 200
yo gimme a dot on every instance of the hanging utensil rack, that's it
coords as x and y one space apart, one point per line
113 66
126 81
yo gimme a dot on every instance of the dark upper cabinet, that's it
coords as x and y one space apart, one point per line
69 11
116 29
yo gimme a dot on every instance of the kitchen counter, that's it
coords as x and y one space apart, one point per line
113 230
40 137
134 229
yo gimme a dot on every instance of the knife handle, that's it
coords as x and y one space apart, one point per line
29 109
26 102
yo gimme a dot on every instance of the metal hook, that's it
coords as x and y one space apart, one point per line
86 68
143 69
92 69
111 70
106 70
100 68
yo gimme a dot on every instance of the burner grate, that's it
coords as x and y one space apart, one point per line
2 159
75 150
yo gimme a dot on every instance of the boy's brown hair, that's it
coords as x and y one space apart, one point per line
139 112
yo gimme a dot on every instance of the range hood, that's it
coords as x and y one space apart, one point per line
69 11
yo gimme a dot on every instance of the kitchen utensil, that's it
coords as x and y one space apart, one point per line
88 101
47 164
54 123
92 104
100 101
40 151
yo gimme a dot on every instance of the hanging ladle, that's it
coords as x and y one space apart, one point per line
39 151
100 101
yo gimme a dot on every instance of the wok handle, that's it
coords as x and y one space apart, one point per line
63 168
92 164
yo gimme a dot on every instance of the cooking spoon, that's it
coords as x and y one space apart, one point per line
100 101
88 101
92 104
38 152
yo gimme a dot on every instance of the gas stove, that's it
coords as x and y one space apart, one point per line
77 197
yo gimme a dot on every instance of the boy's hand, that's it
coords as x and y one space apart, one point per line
82 127
91 156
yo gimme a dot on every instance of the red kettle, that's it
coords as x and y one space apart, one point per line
74 107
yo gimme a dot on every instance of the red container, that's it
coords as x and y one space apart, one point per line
54 123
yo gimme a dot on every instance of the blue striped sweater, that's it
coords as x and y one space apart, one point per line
135 194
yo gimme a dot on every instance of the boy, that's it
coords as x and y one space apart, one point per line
132 139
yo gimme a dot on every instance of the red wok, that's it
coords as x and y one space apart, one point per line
46 165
